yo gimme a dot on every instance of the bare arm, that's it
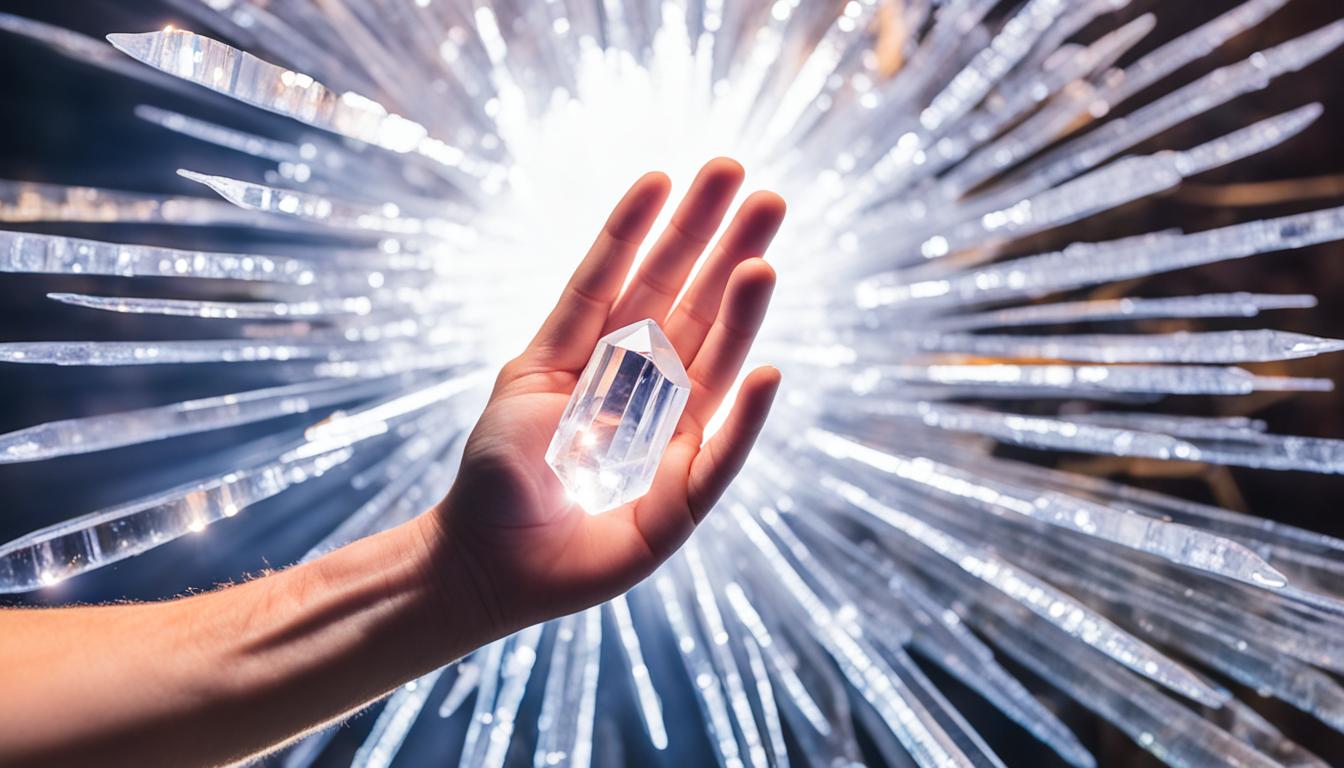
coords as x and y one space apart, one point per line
212 679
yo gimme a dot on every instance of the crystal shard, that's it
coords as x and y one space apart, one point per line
620 418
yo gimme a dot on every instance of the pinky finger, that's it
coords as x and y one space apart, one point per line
724 454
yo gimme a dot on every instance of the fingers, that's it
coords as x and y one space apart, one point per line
729 339
664 271
567 337
747 237
722 457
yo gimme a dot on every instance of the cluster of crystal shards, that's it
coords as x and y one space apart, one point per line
401 188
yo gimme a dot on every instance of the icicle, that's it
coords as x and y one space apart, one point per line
100 433
1182 50
921 736
1172 733
102 353
998 380
1180 544
708 686
721 656
1086 264
1181 347
394 723
1209 305
242 76
220 310
565 728
941 636
229 138
25 202
970 85
1050 604
765 696
468 677
79 47
81 544
1212 90
650 707
489 745
487 691
47 254
789 679
384 220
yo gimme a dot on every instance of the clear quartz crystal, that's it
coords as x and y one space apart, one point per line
620 418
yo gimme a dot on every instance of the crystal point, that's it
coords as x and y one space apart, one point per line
137 45
620 418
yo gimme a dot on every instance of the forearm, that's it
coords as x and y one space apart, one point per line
218 677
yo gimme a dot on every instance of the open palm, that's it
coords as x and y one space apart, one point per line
531 552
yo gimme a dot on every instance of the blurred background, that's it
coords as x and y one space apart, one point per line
68 123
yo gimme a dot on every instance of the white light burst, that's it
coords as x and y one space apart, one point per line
915 140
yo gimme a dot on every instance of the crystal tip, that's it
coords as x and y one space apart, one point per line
134 44
645 338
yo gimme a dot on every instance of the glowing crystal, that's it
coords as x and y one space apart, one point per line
620 418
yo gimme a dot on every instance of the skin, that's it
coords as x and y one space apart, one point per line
224 676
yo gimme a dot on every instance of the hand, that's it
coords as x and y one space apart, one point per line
276 656
507 525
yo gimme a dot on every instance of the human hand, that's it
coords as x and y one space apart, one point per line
507 526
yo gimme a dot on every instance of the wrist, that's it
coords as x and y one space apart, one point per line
460 589
385 602
388 603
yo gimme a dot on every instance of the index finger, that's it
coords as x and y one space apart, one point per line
661 276
566 338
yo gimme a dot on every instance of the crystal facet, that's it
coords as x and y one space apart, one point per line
620 418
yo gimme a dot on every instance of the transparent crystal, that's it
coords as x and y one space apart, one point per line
620 418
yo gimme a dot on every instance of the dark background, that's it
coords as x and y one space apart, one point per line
68 123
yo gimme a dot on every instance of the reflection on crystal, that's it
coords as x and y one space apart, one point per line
620 418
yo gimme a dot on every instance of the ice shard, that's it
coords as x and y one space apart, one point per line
620 418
